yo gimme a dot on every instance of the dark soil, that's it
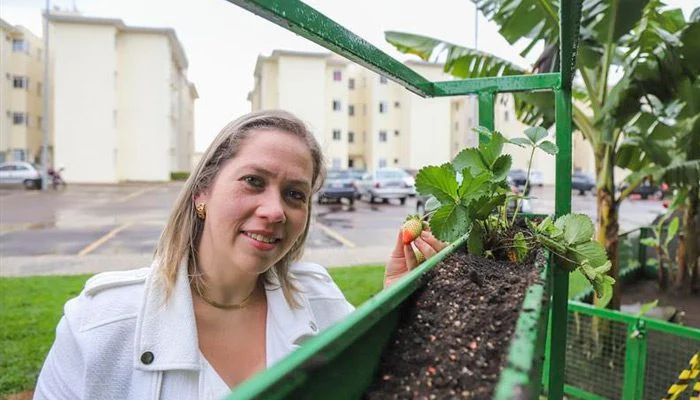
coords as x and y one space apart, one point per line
453 339
644 291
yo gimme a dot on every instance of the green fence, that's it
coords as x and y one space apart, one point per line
611 355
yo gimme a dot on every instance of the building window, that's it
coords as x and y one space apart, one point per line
20 46
396 133
336 105
19 118
351 163
397 104
20 82
351 84
382 107
351 110
382 163
383 80
336 134
337 76
351 137
396 160
382 136
18 154
38 88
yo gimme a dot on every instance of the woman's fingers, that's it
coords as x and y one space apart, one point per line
436 244
424 247
410 257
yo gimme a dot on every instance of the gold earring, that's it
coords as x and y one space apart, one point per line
201 210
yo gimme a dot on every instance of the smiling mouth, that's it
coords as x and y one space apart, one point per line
262 238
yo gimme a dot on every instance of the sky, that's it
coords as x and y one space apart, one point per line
223 41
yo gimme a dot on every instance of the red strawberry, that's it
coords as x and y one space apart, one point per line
411 229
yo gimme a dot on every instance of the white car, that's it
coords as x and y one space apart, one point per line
385 184
20 173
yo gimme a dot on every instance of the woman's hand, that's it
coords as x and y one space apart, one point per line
402 258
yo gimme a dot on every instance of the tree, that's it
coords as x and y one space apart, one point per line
656 51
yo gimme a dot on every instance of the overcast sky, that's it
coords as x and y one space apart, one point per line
223 41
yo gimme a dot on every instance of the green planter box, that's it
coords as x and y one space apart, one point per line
342 362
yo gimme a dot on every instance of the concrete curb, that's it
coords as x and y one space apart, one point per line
94 263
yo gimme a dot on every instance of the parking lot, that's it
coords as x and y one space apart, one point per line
126 219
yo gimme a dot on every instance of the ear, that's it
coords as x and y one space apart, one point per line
201 197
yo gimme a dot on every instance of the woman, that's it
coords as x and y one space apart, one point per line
225 296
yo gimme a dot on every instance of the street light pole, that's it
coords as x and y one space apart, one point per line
45 119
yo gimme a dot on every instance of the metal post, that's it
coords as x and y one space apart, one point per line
45 119
635 361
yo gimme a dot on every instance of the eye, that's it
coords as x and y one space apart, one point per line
296 195
254 181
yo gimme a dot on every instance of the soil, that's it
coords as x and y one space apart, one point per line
646 290
453 339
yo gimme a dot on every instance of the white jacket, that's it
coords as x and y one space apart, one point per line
119 340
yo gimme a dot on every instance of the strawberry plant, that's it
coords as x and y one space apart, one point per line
470 195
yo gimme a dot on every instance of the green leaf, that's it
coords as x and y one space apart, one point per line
493 149
501 167
646 307
449 222
482 207
469 158
548 147
604 292
651 242
520 245
578 228
672 229
594 252
535 134
475 243
439 182
473 186
521 142
432 204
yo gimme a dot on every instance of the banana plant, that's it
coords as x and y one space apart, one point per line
657 50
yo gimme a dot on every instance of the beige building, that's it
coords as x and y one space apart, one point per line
21 93
366 121
121 104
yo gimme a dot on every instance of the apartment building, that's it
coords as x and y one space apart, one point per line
122 106
366 121
21 93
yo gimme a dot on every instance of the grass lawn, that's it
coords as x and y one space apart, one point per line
31 307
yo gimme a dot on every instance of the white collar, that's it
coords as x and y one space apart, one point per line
168 330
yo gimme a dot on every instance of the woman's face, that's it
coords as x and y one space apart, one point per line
258 203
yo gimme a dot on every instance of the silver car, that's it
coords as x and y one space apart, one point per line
385 184
20 173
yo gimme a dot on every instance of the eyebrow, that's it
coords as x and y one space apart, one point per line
263 171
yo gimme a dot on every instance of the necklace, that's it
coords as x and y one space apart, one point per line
222 306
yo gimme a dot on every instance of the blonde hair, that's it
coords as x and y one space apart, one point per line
183 231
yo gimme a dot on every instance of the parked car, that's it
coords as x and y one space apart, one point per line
536 178
525 205
645 190
385 184
518 178
583 182
20 173
339 185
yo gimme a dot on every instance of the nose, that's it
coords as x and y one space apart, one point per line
271 207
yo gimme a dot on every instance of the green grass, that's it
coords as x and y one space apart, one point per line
29 311
31 307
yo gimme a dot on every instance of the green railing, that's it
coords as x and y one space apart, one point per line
612 355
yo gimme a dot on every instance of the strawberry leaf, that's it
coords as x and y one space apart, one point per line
535 134
439 182
521 142
473 186
548 147
593 252
483 206
577 228
475 243
493 148
501 167
469 158
449 222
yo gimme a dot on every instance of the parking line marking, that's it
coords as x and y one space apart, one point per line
107 236
135 194
335 235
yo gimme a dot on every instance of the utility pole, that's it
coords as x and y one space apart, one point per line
45 119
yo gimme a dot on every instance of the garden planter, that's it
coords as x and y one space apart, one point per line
348 360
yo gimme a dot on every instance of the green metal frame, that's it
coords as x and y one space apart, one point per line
309 23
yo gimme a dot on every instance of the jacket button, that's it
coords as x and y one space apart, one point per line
147 357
